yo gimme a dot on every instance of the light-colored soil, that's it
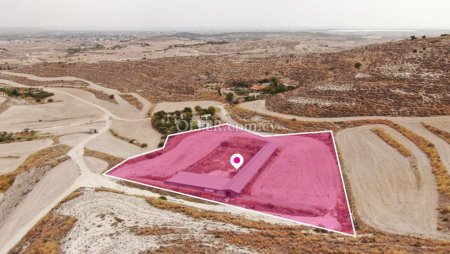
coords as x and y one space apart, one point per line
18 152
141 131
48 115
44 193
107 143
384 186
73 139
96 165
121 109
442 146
102 214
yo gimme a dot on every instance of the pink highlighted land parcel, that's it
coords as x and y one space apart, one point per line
294 176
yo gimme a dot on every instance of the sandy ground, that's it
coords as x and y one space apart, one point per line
96 165
97 212
172 106
44 193
387 193
72 139
142 131
49 115
2 99
19 152
442 146
107 143
122 109
443 124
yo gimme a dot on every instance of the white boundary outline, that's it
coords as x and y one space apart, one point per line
234 206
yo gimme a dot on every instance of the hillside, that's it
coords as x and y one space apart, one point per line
411 77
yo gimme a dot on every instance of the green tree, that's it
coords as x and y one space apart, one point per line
229 97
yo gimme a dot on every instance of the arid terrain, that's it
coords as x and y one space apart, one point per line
73 105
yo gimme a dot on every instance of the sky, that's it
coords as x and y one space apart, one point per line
225 14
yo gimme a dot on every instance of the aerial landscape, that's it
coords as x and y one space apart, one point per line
221 133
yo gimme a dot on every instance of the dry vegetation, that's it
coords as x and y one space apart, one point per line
56 83
45 236
400 148
377 92
131 141
438 132
111 160
155 230
48 157
132 100
282 125
392 142
102 95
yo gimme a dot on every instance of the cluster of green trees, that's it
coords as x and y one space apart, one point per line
180 120
166 123
7 137
202 111
37 94
275 86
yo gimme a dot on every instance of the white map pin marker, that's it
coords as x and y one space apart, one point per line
236 160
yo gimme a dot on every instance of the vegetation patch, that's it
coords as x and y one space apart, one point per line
132 100
45 236
25 135
129 140
159 231
102 95
401 149
168 123
34 93
50 156
438 132
392 142
110 159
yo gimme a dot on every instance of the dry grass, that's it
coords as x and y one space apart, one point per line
392 142
132 101
269 238
111 160
102 95
131 141
156 231
45 236
438 132
48 157
56 83
401 149
283 125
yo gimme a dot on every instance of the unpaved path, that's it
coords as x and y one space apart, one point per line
90 179
387 193
14 154
259 106
44 193
442 146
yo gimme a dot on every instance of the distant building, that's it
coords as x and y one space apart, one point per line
256 88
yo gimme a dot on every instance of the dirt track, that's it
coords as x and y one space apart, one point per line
387 193
408 217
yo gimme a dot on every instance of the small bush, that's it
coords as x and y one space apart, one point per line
358 65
